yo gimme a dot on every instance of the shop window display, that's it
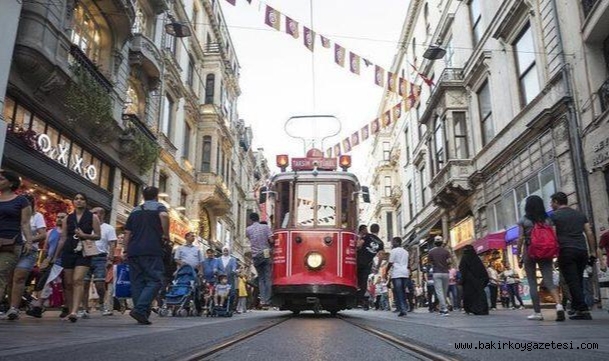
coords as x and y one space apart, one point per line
48 203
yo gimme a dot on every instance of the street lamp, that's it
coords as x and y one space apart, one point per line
177 29
434 52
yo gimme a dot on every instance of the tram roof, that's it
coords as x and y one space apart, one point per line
320 176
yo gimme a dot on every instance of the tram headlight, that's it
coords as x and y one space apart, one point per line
314 260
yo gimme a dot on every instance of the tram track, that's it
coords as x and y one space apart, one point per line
416 350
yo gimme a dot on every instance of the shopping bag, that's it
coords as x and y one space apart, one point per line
56 298
122 285
93 295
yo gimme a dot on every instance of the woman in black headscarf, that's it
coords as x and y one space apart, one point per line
475 279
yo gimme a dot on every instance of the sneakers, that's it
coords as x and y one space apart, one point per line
83 314
140 318
535 317
560 315
12 314
579 315
35 311
443 313
401 314
107 313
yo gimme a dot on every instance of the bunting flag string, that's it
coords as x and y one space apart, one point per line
394 83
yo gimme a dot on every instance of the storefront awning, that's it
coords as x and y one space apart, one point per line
512 234
490 241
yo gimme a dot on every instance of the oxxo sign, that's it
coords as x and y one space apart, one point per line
61 153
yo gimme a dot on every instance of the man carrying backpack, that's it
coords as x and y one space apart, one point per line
574 252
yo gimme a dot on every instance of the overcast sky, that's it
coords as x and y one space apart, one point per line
277 81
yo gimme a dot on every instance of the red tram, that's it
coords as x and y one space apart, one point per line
315 230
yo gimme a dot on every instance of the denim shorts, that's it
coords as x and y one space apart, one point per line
27 261
97 272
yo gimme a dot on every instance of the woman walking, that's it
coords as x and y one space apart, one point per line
474 278
15 214
81 225
534 213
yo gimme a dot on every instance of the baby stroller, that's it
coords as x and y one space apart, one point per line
183 297
223 310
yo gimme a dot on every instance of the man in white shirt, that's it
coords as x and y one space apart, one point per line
398 264
188 254
100 263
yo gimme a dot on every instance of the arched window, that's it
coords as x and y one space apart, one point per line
210 84
86 33
206 159
134 103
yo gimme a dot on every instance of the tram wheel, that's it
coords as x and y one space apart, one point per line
296 312
333 313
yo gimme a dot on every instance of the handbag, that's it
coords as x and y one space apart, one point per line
89 248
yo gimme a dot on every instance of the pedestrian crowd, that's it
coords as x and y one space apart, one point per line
77 260
559 244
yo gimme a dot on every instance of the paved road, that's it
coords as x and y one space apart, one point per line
307 337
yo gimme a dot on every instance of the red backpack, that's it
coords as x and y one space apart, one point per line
544 244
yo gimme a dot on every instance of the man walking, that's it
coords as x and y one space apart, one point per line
400 274
260 237
440 260
146 230
100 264
368 246
573 250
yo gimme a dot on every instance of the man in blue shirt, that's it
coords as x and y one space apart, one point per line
146 230
210 267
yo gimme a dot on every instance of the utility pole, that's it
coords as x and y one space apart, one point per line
9 18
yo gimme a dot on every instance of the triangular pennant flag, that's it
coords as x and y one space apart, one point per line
375 126
403 87
337 152
291 27
329 153
427 80
365 132
367 62
325 42
391 81
347 145
355 139
379 76
309 38
232 2
387 118
397 111
354 62
339 55
413 97
272 18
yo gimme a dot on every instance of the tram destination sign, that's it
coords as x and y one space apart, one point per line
310 163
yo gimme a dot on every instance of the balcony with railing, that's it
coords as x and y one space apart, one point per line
145 54
448 92
596 20
451 183
78 57
214 193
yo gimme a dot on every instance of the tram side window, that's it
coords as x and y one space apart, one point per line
348 206
326 205
283 211
305 205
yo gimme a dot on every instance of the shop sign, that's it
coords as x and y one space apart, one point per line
60 153
463 232
601 153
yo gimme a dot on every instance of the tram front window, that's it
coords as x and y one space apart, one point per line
316 205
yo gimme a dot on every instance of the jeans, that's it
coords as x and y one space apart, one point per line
432 300
589 291
492 290
530 267
263 268
454 296
399 285
146 274
572 263
440 281
514 291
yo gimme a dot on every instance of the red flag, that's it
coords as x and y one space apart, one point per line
309 38
325 42
403 87
339 55
347 145
386 118
355 139
272 18
379 76
291 27
397 111
329 153
427 81
354 62
375 126
391 81
365 131
337 152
